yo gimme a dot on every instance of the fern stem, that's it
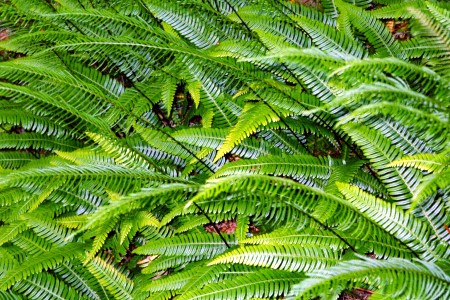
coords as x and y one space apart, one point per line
81 4
213 224
216 4
239 17
327 228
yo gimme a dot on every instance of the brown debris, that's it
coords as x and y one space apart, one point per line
195 121
310 3
227 226
398 28
4 34
253 229
231 157
356 294
447 228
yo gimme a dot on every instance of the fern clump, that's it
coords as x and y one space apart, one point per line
224 149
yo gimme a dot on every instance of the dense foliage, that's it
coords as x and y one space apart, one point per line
224 149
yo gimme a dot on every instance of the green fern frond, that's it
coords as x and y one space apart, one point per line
74 222
15 160
110 278
100 234
45 286
256 18
294 258
167 262
388 278
330 40
400 224
429 185
397 10
72 173
304 132
186 245
173 282
286 236
123 155
214 138
8 232
293 166
31 243
441 15
380 151
147 198
253 116
261 284
35 264
317 237
37 141
434 163
378 35
419 76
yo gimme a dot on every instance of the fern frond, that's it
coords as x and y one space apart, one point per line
256 18
389 278
429 185
123 155
293 166
330 40
126 127
400 183
253 116
294 258
378 35
166 262
434 163
37 141
15 160
45 286
286 236
31 243
261 284
189 244
35 264
110 278
72 173
399 225
8 232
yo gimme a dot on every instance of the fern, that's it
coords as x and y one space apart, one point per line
224 149
378 273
